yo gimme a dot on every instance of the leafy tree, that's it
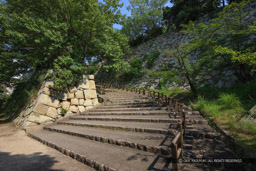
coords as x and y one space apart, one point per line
58 35
145 19
183 54
226 42
184 11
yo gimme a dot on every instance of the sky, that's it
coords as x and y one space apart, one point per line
128 13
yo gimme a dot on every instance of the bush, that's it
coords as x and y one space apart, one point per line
134 71
151 59
229 101
91 69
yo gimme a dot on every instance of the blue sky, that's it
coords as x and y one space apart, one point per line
128 13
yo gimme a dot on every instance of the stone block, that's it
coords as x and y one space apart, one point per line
81 101
95 101
22 113
92 84
59 95
65 105
18 120
89 107
84 84
59 111
47 100
28 111
74 101
79 94
71 95
90 94
73 90
48 83
81 109
91 77
37 118
40 108
46 90
88 102
73 109
28 123
52 112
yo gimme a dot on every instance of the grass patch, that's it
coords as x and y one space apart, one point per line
225 106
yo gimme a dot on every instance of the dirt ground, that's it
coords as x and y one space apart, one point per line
21 153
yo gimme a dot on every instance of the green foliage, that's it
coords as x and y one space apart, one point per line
151 59
49 38
190 10
67 72
23 94
145 20
227 42
229 101
134 71
91 69
63 112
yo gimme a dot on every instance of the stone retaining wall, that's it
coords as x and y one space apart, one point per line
223 77
51 104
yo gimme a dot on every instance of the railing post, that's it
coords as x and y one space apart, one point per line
176 105
181 140
175 165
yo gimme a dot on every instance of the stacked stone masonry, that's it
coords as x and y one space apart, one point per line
51 104
170 41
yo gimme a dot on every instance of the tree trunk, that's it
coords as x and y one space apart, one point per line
192 87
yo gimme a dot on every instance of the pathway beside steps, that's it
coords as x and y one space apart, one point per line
129 131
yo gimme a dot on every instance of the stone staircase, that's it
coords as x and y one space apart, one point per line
129 131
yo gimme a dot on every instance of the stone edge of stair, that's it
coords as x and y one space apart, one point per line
151 149
158 131
81 158
174 121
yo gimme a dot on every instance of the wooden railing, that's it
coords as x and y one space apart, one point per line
177 149
172 104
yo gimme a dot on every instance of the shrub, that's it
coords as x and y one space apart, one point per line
63 112
151 59
134 71
229 101
91 69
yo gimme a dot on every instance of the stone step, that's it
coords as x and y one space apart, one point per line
100 156
129 118
128 98
154 143
127 113
114 106
159 128
102 109
129 103
202 134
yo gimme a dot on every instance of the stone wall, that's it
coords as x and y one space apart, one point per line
51 104
171 40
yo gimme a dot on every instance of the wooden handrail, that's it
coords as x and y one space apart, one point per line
177 149
177 142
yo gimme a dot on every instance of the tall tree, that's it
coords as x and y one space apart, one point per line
145 19
55 34
184 11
